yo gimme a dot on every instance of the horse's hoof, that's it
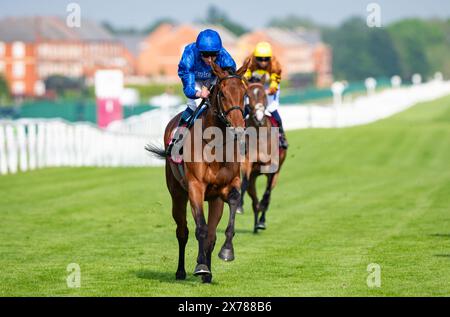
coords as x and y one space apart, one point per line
240 210
226 254
201 269
180 275
261 225
207 278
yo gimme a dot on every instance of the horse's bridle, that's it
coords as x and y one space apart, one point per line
221 114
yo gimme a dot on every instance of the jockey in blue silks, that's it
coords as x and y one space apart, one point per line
196 73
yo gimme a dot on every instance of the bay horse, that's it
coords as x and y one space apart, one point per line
251 169
216 182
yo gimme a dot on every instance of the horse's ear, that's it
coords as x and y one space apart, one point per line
218 71
241 71
245 82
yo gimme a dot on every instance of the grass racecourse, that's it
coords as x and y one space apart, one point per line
346 198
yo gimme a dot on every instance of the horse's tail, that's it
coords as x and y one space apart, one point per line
157 152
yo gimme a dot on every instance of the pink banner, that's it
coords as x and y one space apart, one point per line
108 110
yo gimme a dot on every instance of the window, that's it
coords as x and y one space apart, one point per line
39 88
18 69
43 50
2 49
18 50
2 67
18 88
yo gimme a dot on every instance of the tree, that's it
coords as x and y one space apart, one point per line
4 91
149 29
134 31
423 46
293 21
384 54
119 31
5 96
216 16
360 51
62 84
351 59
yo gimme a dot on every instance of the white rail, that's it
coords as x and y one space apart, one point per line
28 144
362 110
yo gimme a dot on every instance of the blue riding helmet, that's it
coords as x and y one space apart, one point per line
209 41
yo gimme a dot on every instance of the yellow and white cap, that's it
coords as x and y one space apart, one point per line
263 49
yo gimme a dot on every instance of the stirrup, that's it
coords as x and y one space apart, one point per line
177 158
169 148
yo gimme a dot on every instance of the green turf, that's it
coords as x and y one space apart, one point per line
346 198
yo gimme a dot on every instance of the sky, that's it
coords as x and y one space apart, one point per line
250 13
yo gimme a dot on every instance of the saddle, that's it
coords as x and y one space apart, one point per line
197 114
178 167
276 125
273 121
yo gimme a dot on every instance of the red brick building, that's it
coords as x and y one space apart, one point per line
34 48
300 51
162 49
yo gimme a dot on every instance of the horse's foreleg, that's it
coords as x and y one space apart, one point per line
227 251
196 197
214 215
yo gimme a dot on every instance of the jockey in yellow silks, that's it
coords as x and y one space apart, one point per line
264 66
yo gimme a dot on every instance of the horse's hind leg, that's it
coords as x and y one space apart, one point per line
264 204
179 202
179 215
254 197
244 186
246 168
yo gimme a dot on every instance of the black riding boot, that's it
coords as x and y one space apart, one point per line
177 137
283 142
